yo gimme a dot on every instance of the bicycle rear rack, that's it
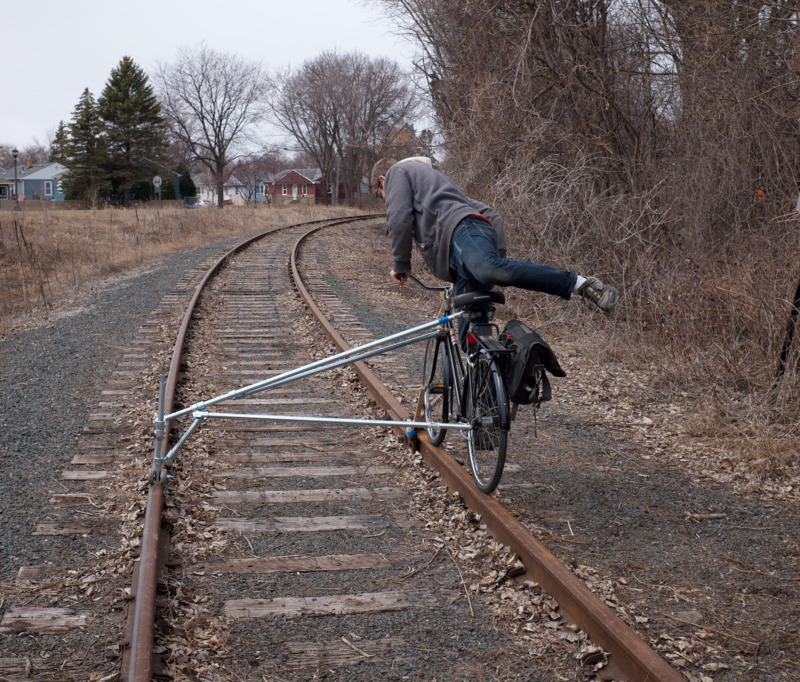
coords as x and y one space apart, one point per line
201 414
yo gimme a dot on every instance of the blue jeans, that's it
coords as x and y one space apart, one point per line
478 267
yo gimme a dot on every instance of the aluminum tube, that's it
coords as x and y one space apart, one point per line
171 454
199 409
273 381
336 420
347 361
161 430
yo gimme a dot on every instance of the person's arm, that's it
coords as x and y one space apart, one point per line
400 219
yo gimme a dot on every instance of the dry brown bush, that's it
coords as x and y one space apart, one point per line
48 257
629 140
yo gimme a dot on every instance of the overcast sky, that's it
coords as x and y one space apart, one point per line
54 49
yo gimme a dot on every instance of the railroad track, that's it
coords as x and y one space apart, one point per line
294 549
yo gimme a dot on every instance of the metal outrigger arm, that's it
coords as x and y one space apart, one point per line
200 413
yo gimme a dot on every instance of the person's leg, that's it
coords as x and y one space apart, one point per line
474 258
465 282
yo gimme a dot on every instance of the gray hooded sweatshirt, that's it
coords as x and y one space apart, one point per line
424 206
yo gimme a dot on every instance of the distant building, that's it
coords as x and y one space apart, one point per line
305 185
35 181
235 191
297 185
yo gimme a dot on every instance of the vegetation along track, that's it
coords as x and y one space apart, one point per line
300 551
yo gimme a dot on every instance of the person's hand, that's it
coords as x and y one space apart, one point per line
399 277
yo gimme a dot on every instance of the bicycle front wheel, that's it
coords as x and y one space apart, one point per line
438 389
487 411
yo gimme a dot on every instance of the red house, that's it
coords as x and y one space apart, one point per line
304 185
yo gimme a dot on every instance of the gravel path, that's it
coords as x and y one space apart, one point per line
50 378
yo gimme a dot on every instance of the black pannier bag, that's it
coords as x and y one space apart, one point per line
531 359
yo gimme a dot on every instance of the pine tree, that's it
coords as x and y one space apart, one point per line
186 184
134 125
59 149
86 157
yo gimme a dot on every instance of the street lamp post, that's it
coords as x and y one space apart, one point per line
15 154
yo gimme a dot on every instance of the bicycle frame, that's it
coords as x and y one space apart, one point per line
470 389
456 360
455 357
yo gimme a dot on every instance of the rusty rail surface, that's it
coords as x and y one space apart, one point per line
631 658
137 661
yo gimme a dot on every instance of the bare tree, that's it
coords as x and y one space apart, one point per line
6 159
250 175
650 137
343 109
212 101
37 152
646 90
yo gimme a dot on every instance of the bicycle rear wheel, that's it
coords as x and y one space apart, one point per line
487 411
438 389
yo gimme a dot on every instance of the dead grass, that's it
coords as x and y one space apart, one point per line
48 259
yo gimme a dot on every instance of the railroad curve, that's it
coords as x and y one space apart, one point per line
629 654
296 551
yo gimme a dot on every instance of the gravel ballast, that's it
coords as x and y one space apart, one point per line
50 378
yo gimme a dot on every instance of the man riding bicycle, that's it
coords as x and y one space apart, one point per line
461 239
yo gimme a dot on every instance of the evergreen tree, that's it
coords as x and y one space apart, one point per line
186 184
86 158
59 149
134 125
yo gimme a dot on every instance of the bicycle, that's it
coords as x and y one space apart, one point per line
474 390
469 385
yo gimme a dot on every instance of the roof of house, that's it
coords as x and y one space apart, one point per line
42 171
311 174
38 171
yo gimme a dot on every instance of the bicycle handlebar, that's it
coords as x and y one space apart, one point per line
425 286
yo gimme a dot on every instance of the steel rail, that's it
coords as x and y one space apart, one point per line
137 665
631 658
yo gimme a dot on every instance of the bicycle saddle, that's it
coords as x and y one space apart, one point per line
471 298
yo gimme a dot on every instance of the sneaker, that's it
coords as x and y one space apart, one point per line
602 295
